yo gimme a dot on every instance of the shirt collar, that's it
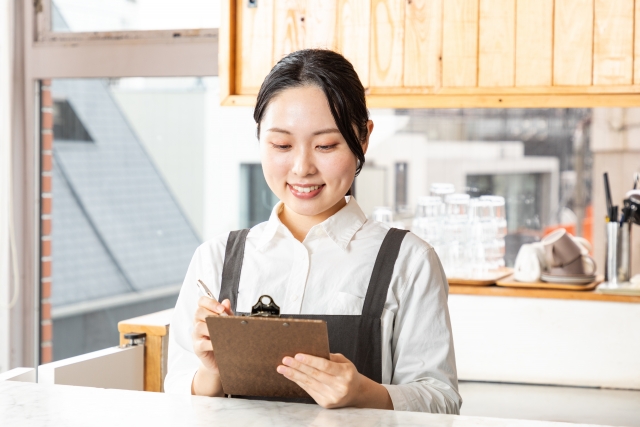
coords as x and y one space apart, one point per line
340 227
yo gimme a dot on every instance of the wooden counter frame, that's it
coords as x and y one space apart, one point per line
499 291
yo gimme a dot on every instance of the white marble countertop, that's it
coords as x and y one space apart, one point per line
30 405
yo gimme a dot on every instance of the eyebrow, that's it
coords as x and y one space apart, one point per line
319 132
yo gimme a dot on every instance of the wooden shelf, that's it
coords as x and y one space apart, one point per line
498 291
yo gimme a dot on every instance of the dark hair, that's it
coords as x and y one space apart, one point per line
335 76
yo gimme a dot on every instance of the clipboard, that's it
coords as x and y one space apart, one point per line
249 348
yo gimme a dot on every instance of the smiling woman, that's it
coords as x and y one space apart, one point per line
381 291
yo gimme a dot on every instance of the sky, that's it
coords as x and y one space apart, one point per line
120 15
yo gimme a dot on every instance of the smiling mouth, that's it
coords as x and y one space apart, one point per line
305 189
305 192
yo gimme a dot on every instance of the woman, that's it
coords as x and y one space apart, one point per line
319 255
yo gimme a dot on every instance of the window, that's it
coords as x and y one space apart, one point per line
531 157
91 46
128 207
127 15
257 200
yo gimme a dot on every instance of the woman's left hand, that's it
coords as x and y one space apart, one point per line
334 383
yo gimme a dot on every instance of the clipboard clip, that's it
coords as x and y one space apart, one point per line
265 307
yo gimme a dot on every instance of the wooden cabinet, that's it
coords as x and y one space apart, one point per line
446 53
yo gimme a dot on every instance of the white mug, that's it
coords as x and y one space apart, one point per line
530 263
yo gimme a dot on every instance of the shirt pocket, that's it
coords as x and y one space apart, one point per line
346 304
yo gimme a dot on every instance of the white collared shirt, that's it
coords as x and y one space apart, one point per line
328 273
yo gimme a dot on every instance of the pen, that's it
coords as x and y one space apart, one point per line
204 289
206 292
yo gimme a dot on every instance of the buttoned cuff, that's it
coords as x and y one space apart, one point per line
397 397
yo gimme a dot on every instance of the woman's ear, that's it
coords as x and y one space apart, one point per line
365 144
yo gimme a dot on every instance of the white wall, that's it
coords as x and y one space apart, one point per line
230 139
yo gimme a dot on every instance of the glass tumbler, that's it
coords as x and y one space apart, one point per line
456 234
496 249
383 214
427 223
442 189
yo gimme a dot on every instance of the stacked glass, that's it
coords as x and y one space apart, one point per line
494 242
467 234
428 221
442 189
455 235
382 214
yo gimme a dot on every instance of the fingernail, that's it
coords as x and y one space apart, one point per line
280 369
287 360
219 309
299 357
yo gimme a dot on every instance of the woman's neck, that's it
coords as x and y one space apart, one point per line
299 225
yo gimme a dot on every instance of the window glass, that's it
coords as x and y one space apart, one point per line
128 15
530 157
127 197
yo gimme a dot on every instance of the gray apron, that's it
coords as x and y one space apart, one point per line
357 337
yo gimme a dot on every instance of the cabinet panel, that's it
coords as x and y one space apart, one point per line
354 31
423 43
573 42
636 44
288 27
321 16
387 42
254 51
496 53
460 43
446 53
534 42
613 42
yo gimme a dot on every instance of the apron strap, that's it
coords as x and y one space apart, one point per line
382 272
233 257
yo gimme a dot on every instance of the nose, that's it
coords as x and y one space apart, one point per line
303 164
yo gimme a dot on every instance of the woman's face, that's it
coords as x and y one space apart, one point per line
306 160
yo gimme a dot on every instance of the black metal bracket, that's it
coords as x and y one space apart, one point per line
265 307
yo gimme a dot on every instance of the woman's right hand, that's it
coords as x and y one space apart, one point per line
203 348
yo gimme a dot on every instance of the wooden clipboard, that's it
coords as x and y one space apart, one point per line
249 349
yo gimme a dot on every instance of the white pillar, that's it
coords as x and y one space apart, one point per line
6 64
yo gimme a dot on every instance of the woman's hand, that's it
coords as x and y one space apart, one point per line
207 379
334 383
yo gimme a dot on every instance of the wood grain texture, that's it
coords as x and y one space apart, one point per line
423 43
636 44
321 20
534 42
573 42
156 326
460 43
497 291
613 42
354 31
387 42
496 49
475 100
226 50
288 27
254 49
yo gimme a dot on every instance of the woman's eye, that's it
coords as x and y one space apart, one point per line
326 147
281 146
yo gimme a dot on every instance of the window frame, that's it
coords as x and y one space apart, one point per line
44 54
